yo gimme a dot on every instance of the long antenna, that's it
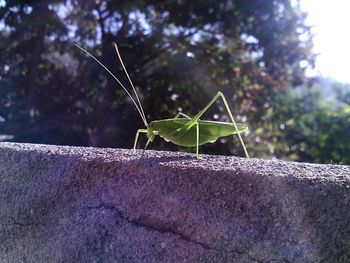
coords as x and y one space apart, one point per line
127 92
127 74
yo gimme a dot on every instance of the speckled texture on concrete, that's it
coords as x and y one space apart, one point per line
74 204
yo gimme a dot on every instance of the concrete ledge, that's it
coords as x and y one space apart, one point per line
74 204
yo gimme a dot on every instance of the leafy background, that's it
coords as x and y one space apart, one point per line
178 54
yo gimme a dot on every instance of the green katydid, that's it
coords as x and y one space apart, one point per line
181 130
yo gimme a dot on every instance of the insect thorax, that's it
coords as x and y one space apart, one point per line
151 133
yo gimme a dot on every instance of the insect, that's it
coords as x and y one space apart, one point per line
181 130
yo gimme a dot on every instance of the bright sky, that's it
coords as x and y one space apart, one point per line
331 21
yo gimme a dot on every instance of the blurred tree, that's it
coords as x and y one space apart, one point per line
312 127
178 53
36 89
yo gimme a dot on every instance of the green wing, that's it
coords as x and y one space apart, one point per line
209 131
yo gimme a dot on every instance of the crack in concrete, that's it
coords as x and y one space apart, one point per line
187 238
13 222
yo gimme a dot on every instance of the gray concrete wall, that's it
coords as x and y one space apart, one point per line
74 204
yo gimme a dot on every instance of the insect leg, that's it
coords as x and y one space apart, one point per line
197 146
235 125
183 115
137 136
220 95
148 141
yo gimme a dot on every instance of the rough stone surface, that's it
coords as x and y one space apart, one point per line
75 204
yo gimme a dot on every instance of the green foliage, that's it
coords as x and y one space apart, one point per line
313 127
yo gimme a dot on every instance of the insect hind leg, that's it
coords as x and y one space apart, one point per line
221 95
234 124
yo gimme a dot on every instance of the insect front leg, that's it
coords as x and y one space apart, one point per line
137 136
150 139
220 95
